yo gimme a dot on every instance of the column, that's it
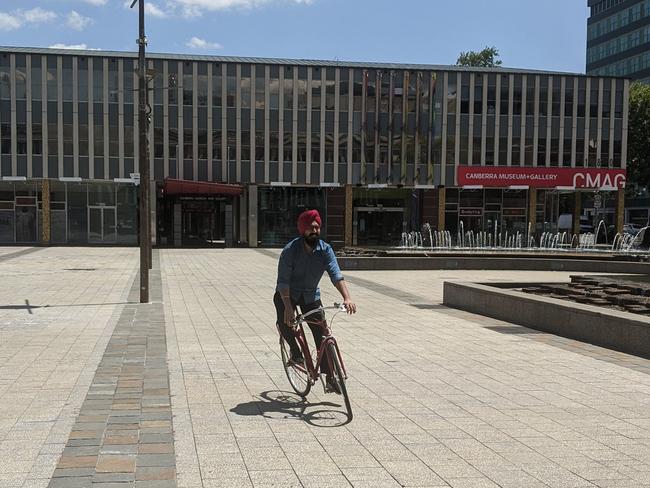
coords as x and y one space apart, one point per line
577 210
442 194
229 224
178 215
532 210
45 230
620 209
348 216
252 216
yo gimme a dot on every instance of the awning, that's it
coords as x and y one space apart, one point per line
173 186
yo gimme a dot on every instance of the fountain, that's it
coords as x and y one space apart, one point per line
493 240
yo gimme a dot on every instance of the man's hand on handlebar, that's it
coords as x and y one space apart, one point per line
350 307
347 306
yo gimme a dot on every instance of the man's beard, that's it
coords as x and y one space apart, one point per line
312 239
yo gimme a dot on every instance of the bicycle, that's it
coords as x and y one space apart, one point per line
303 376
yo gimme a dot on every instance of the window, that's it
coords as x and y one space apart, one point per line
505 95
330 86
36 78
202 84
316 89
478 95
288 89
260 85
21 82
172 93
216 85
451 93
52 89
188 80
127 73
274 93
113 76
245 91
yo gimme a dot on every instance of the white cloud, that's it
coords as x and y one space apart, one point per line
37 15
73 46
77 21
18 18
194 8
197 43
97 3
9 22
154 11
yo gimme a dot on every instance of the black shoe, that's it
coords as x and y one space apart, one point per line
296 357
332 386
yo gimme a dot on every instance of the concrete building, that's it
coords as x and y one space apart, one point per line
239 146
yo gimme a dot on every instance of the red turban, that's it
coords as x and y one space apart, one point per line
305 220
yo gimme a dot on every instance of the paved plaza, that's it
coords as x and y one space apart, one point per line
188 391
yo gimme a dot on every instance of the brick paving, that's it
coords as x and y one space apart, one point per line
123 434
188 391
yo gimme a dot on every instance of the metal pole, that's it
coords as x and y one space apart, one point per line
145 241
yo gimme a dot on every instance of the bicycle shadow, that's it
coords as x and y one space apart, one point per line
276 404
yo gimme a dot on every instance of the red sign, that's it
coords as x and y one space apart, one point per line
540 177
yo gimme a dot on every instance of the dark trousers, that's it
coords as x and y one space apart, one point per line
313 321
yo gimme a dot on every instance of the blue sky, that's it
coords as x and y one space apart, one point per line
548 34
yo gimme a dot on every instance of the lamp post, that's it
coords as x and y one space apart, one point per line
145 224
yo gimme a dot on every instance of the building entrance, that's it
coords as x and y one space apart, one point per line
203 222
378 226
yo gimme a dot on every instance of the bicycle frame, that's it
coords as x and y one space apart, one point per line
310 368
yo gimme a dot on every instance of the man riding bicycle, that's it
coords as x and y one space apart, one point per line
302 264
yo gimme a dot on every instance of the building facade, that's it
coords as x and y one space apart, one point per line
239 146
618 39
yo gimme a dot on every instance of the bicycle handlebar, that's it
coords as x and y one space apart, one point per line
337 306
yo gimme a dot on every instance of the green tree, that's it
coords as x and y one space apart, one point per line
487 58
638 149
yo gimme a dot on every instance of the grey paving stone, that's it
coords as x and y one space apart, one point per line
77 482
156 484
113 477
156 460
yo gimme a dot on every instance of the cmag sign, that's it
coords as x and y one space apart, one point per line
541 177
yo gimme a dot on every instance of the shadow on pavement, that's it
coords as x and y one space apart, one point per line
286 405
29 307
514 329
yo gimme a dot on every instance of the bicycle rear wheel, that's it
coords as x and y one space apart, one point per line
297 374
338 376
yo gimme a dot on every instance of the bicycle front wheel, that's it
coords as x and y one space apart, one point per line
338 376
297 374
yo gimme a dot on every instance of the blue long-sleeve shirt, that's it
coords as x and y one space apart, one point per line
300 271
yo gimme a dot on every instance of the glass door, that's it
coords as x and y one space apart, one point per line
108 225
101 225
26 223
95 225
